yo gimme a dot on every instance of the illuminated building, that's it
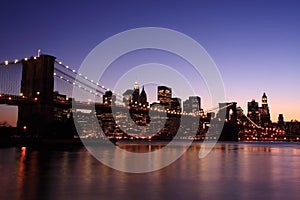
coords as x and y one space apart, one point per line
164 95
264 112
61 113
109 98
135 95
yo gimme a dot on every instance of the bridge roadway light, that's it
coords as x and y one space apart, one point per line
6 62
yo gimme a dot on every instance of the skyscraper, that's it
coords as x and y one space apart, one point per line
135 95
264 112
143 99
164 95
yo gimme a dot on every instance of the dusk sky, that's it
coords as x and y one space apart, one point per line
255 44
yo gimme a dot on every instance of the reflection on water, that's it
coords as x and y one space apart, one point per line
141 147
230 171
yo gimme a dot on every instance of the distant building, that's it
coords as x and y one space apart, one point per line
192 105
164 95
253 112
176 104
60 113
127 97
280 123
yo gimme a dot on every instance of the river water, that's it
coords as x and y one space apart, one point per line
230 171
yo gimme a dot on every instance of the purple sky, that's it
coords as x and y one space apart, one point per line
255 44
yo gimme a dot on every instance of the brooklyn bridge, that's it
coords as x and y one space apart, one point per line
41 88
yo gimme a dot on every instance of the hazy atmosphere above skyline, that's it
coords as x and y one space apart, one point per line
255 44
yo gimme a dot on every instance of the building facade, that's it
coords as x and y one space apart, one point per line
164 95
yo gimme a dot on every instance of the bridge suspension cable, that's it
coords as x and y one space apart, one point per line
73 80
6 62
15 61
257 126
85 78
78 85
217 108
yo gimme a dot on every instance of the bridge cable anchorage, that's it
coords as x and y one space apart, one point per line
86 78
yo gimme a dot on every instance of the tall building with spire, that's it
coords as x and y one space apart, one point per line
143 99
134 98
265 119
135 95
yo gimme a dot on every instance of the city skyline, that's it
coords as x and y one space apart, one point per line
254 44
11 112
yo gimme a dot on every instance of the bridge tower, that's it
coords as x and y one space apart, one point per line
37 84
230 129
231 115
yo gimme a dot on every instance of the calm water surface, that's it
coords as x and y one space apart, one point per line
230 171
